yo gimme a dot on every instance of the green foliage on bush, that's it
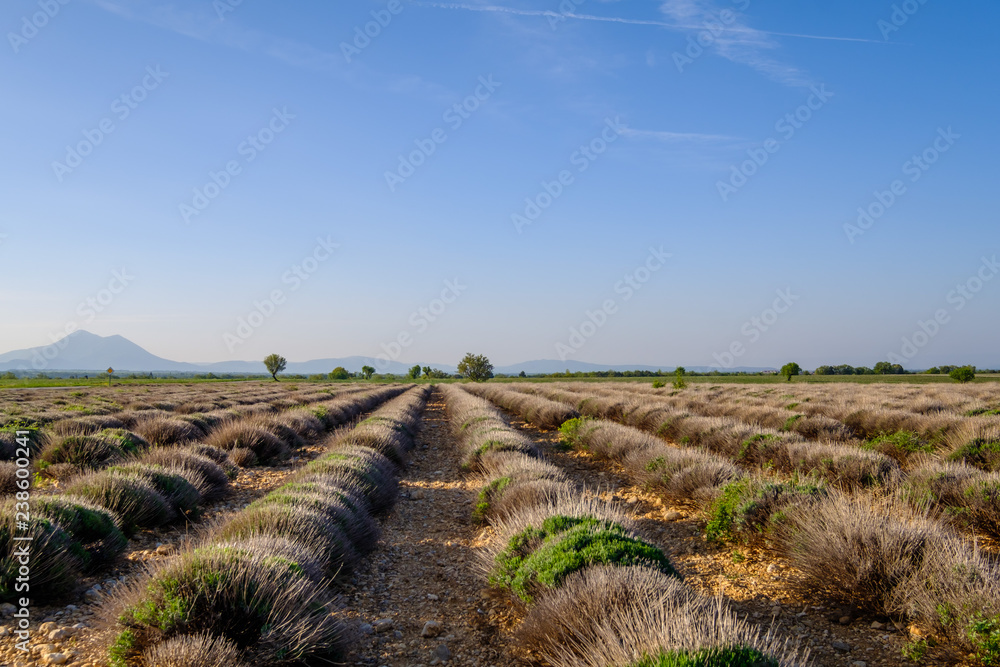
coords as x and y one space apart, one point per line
982 453
750 447
545 556
984 634
486 496
729 656
125 646
569 432
749 507
904 442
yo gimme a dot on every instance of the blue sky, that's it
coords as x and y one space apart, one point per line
651 113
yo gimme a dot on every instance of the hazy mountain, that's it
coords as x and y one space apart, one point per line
84 351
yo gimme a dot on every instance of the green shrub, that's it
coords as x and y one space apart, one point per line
262 604
756 447
84 451
94 530
790 422
486 496
751 507
983 453
730 656
132 497
182 495
983 412
899 445
124 647
570 431
543 557
658 384
915 650
984 634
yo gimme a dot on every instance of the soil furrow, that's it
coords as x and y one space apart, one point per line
425 570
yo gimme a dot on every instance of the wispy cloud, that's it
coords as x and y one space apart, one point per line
204 25
742 44
674 25
679 137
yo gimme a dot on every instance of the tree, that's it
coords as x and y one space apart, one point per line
885 368
790 370
427 371
963 374
414 372
367 372
340 373
475 367
275 363
679 382
522 374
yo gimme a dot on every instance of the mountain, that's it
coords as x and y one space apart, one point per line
84 351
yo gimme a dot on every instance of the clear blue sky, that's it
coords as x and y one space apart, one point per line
199 79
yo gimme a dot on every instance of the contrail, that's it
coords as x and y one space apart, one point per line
613 19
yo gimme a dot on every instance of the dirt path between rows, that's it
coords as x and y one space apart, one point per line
425 568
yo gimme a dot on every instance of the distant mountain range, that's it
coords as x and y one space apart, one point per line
86 352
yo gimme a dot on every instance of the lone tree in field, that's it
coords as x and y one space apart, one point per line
476 367
414 372
789 370
367 372
679 381
340 373
963 374
275 363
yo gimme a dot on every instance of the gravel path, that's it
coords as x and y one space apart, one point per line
425 569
